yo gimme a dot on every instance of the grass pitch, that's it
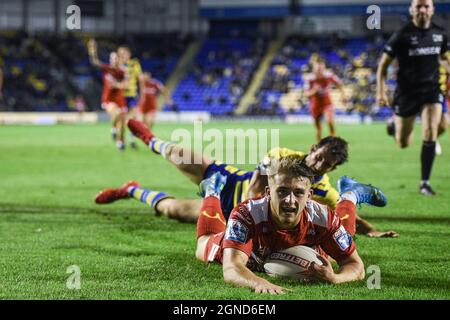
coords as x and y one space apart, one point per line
48 220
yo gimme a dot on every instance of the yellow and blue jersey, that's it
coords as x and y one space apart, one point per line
236 187
133 69
443 78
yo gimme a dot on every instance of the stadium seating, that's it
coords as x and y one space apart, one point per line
353 60
46 72
220 75
33 74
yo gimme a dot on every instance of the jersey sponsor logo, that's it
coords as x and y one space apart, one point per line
426 51
236 231
343 238
290 258
243 217
438 38
244 214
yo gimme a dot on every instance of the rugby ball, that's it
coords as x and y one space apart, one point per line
291 263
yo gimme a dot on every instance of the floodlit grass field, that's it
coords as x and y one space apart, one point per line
48 220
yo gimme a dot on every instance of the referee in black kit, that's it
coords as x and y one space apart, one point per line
419 46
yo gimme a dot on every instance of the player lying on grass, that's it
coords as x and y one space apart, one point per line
241 185
284 217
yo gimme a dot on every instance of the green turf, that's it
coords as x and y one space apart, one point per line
48 220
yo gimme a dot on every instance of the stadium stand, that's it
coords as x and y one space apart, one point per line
220 74
353 60
34 76
46 72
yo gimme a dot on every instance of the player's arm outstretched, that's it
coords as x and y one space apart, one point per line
163 89
235 272
365 228
385 61
92 51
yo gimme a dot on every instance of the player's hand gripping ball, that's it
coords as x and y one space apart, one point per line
292 263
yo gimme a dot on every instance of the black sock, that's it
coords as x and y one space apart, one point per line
427 158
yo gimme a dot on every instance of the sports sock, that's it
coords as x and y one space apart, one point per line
159 146
131 138
349 195
210 218
149 197
427 158
346 210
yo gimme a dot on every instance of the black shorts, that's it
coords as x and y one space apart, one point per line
410 104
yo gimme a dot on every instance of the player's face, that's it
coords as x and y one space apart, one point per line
321 160
113 59
319 67
124 54
422 11
288 197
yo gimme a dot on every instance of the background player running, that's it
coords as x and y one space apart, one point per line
133 68
318 88
147 106
113 100
241 185
418 46
286 216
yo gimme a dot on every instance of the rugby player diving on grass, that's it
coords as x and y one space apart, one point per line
323 157
284 217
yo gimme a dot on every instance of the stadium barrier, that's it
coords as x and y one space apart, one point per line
342 119
51 118
183 117
47 118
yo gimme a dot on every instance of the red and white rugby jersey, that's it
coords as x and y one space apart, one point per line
252 230
325 83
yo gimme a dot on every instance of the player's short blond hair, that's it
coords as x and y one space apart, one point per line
291 165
